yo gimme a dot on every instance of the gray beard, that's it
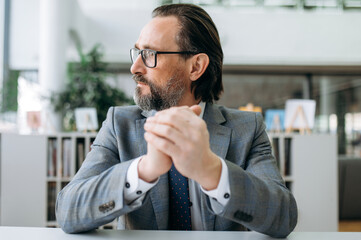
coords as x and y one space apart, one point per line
160 98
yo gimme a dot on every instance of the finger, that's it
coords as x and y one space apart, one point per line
161 144
180 112
179 118
165 131
196 109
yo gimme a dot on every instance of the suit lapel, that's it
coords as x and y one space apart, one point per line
139 128
159 194
219 135
219 142
141 143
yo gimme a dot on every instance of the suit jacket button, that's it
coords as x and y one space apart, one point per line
101 208
111 205
106 207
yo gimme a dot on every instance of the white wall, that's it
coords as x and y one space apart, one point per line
290 38
24 34
116 24
281 38
2 13
117 32
251 38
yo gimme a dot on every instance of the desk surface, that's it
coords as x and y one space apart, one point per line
28 233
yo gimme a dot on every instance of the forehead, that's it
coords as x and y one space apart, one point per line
159 34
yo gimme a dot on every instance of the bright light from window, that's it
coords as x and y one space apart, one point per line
348 123
333 123
357 121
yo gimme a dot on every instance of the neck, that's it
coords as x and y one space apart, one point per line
189 100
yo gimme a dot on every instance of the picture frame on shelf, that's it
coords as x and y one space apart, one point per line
300 114
86 119
275 120
33 120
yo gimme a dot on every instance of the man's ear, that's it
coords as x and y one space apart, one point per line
199 65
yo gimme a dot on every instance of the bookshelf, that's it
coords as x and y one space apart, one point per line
46 164
35 168
65 154
308 164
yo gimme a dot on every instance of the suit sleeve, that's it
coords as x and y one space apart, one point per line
95 195
258 198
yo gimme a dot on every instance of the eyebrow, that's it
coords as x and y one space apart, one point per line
145 47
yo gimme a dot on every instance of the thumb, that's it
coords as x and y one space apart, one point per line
196 109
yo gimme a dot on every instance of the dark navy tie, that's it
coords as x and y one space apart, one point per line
179 207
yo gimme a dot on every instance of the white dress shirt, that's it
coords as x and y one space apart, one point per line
136 188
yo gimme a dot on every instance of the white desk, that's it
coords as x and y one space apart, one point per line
21 233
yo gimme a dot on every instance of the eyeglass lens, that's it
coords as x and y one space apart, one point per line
148 56
134 54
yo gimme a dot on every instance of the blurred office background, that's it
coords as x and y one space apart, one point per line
274 50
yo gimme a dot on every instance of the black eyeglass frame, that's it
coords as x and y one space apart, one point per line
155 55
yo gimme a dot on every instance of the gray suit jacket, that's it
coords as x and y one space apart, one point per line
259 199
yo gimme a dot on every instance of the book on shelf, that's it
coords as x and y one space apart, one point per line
80 154
51 201
66 157
275 148
52 151
287 170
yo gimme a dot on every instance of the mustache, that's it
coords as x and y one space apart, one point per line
140 78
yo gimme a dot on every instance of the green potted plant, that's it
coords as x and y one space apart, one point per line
87 87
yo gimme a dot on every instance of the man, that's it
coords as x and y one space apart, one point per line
177 161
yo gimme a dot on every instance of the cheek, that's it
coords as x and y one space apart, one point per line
166 70
159 77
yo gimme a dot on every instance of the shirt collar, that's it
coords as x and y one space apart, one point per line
203 106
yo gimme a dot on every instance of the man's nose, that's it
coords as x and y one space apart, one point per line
138 66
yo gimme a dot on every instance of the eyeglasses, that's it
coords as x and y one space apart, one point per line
149 56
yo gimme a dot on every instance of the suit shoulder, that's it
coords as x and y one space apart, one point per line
232 114
242 123
131 112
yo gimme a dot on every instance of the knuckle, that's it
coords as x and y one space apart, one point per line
172 117
167 130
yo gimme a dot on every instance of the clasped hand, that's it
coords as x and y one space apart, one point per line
179 136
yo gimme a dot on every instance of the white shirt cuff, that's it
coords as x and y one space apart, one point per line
134 186
222 193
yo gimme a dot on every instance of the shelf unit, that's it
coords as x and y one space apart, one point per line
65 154
47 163
32 174
308 164
281 145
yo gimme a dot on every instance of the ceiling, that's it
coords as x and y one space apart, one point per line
88 7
